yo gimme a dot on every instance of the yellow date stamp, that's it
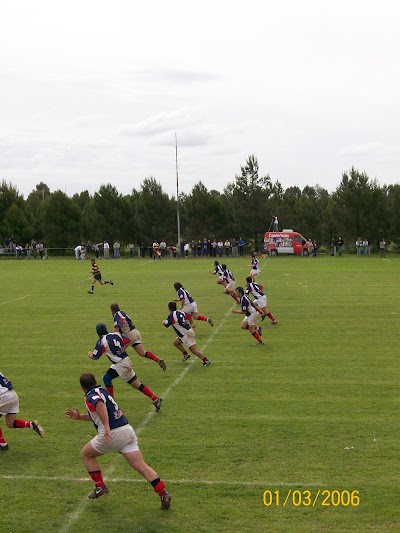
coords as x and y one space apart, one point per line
308 498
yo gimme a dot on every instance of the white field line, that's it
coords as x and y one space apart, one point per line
145 263
67 479
74 517
15 300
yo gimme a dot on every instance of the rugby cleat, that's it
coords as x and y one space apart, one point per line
210 322
38 428
259 330
157 404
111 283
165 501
207 363
90 292
98 491
274 322
263 317
162 364
3 447
185 357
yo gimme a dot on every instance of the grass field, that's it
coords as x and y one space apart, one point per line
315 409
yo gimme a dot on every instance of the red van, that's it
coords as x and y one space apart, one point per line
286 241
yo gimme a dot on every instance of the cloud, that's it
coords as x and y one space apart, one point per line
375 149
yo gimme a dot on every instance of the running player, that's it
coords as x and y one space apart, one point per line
251 318
123 325
217 270
97 276
229 283
186 335
115 434
9 407
255 266
260 299
113 345
189 306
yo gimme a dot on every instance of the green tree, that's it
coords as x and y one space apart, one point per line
17 225
204 214
247 202
60 221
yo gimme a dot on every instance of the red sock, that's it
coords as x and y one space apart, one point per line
110 390
235 297
205 360
188 317
2 439
257 336
259 311
150 355
145 390
158 486
201 317
22 424
97 478
270 316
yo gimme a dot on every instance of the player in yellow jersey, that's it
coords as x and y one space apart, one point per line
97 276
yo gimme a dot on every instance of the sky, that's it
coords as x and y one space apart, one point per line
94 92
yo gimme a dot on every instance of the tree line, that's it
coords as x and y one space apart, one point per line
359 207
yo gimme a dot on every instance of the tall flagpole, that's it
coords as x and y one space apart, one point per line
177 193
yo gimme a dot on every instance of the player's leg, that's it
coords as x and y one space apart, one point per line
135 459
141 387
107 380
13 422
93 283
138 347
203 318
178 344
255 331
89 454
193 348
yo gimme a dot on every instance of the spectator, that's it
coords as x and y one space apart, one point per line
227 246
143 249
358 246
88 249
182 247
275 223
365 246
382 248
214 248
131 247
96 249
241 245
340 244
310 247
116 247
193 248
40 248
315 248
78 249
34 249
186 249
220 246
163 246
19 251
234 247
333 246
199 248
106 250
28 249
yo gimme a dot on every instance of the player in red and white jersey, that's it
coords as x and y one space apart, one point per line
9 407
115 434
189 306
124 325
251 318
113 346
260 299
186 335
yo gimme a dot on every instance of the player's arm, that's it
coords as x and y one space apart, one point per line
101 410
238 312
97 352
74 414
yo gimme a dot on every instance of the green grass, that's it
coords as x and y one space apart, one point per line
315 408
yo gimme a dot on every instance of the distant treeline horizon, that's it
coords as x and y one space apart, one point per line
358 208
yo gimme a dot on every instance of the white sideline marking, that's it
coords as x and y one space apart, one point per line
172 481
81 507
15 300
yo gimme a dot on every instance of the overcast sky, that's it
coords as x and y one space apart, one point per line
94 91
